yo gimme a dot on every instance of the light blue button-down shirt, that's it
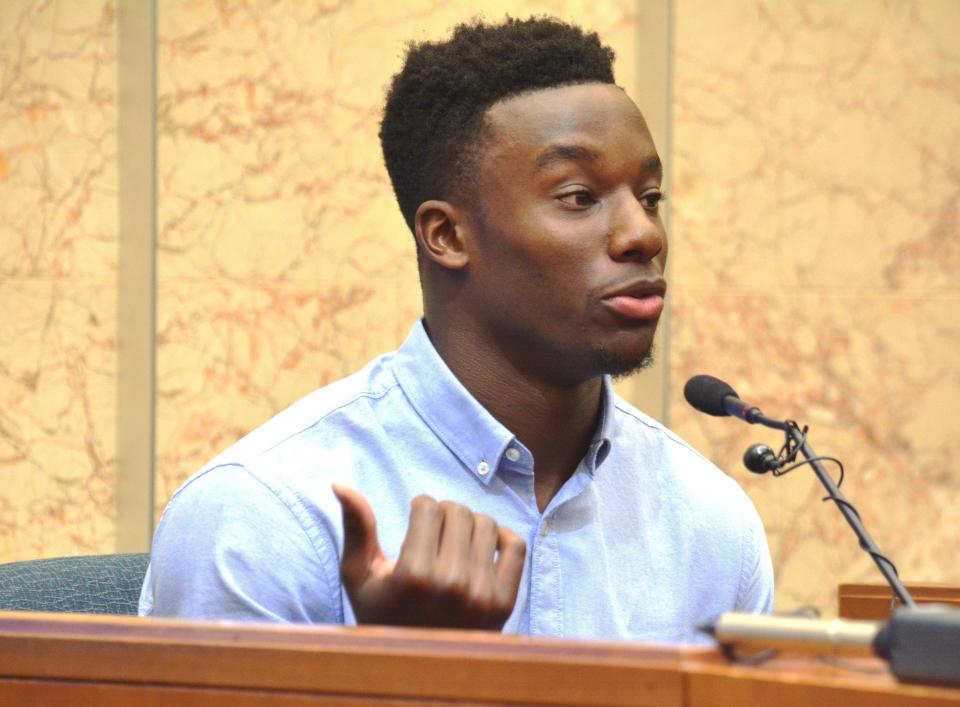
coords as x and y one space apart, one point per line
647 540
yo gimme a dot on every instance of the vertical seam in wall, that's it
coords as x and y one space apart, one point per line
136 274
650 390
668 149
151 463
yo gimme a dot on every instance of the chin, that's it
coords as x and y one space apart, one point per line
620 364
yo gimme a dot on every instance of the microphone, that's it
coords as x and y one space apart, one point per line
920 644
760 459
835 637
715 397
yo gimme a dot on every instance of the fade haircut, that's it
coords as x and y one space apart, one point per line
433 120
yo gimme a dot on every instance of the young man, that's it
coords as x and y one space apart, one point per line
485 475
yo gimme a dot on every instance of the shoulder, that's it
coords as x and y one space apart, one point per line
231 546
638 430
682 477
699 503
350 396
232 504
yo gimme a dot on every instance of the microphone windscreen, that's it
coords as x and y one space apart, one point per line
706 394
759 459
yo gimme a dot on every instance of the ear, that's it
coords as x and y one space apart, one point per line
440 231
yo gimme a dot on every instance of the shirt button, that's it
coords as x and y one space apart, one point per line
483 468
513 454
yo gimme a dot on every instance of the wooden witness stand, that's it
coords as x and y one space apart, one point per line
874 601
84 660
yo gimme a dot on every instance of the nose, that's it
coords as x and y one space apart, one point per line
637 232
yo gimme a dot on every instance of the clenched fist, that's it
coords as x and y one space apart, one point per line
457 569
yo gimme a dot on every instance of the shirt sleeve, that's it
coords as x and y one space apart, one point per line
227 547
755 594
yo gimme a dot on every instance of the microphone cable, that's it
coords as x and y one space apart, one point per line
788 454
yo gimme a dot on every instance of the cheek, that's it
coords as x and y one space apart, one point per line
525 253
563 267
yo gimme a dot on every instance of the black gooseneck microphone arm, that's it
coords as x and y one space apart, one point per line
886 568
714 397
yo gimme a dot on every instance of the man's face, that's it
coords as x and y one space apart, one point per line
568 251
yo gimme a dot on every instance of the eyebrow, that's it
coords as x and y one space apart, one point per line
653 165
565 153
578 153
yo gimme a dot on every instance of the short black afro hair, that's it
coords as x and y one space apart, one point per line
433 117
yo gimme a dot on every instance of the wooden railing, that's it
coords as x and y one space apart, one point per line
874 601
81 661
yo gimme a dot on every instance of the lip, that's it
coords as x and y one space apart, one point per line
640 299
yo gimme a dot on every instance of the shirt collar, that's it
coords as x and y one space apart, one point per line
462 424
478 439
602 438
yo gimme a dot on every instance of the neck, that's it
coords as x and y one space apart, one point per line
556 422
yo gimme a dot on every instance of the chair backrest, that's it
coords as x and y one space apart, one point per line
92 584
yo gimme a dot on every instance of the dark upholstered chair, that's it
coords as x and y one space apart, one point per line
94 584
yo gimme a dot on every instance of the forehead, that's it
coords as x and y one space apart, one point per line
598 117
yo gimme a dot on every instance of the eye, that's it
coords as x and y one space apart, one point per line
578 199
651 200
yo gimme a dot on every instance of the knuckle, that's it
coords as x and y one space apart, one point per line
423 503
515 544
495 610
485 608
412 576
455 510
484 523
424 508
507 534
480 597
453 584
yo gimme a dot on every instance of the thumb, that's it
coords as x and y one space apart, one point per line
361 549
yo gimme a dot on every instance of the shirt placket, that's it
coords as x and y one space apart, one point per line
546 590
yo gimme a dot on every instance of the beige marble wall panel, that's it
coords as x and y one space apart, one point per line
57 278
815 261
283 261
